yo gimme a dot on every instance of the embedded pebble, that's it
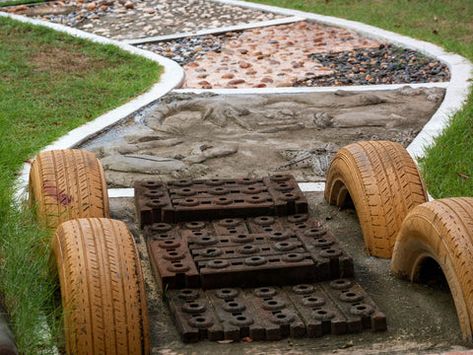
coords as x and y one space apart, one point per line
275 55
298 54
128 19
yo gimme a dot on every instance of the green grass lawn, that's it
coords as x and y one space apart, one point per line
18 2
448 165
50 83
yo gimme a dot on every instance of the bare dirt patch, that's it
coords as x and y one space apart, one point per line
58 61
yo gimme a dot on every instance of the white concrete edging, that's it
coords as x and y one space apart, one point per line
210 31
172 77
130 192
461 69
457 89
317 89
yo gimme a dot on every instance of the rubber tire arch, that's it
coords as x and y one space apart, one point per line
383 183
67 184
441 230
102 288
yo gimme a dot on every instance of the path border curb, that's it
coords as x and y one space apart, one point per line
217 30
457 89
461 69
308 90
172 77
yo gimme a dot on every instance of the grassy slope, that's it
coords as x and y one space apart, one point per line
50 83
448 166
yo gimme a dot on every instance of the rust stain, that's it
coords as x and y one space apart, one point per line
51 190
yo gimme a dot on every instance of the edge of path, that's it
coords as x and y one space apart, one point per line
461 69
172 77
457 89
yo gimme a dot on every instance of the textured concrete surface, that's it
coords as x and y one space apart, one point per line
206 136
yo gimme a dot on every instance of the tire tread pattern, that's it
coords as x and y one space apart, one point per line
67 184
102 288
384 184
443 231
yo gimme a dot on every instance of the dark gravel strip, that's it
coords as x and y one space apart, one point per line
188 49
385 65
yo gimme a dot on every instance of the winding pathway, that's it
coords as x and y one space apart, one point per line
281 88
235 47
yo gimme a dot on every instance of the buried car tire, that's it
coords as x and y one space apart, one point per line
383 183
102 288
441 230
67 184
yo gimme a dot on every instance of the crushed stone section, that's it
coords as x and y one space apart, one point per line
206 136
131 19
386 64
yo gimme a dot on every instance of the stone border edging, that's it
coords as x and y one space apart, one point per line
172 77
461 69
234 28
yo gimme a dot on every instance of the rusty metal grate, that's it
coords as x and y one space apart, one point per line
189 200
228 251
235 252
271 313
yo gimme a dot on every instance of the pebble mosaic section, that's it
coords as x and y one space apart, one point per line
274 56
298 54
132 19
